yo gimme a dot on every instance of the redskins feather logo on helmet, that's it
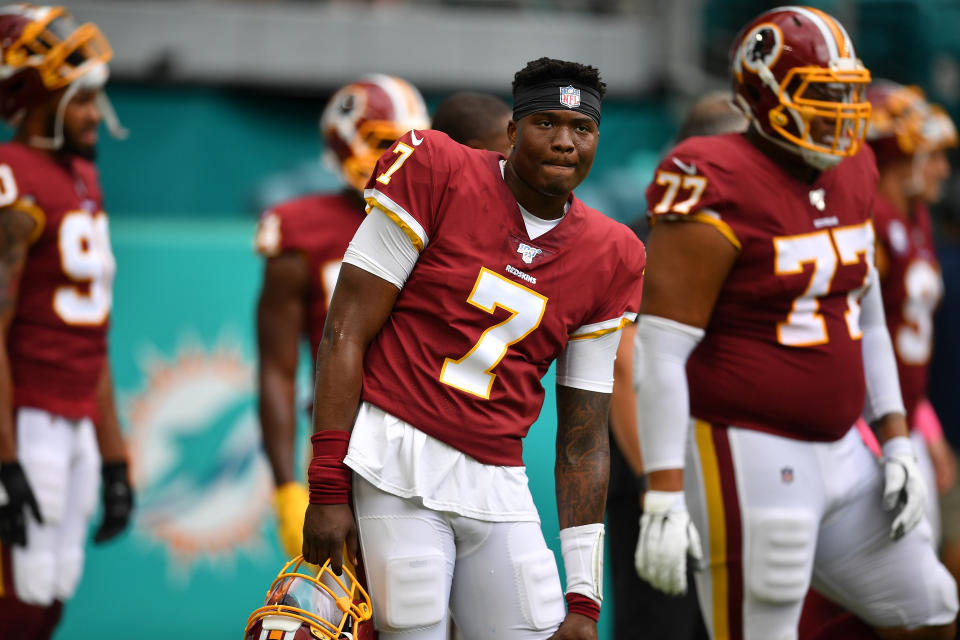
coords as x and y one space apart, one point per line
304 603
794 66
363 119
904 124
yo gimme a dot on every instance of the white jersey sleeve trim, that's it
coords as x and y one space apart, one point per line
382 248
879 361
598 329
413 229
588 364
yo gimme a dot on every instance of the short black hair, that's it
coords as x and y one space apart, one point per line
468 116
546 69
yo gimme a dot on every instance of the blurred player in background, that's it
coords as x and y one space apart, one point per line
453 301
303 241
763 322
56 279
640 611
478 120
909 137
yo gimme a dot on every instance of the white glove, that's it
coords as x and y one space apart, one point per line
666 537
903 489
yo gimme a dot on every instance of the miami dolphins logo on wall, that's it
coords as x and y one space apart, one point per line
204 486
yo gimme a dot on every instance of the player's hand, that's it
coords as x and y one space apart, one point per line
15 496
576 627
903 491
666 537
291 500
117 501
326 528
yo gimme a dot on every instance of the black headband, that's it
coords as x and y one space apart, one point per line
557 95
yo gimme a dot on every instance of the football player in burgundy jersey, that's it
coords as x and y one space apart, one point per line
303 241
470 275
910 137
478 120
762 333
56 277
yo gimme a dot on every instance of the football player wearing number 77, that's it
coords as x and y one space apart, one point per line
471 274
762 333
58 426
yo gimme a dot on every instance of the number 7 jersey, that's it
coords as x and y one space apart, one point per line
782 350
486 308
57 340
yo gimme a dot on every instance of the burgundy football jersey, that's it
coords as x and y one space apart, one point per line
912 288
486 309
319 227
782 349
58 338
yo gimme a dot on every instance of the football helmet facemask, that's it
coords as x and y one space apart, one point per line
796 76
363 119
42 50
305 603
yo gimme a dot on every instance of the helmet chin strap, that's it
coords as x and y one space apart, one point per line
95 78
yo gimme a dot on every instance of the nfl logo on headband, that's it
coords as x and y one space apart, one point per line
570 97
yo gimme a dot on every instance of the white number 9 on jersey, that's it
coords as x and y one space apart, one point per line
86 258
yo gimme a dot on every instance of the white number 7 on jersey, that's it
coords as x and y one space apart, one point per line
472 372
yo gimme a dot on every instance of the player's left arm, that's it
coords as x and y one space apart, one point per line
117 492
585 379
581 473
904 492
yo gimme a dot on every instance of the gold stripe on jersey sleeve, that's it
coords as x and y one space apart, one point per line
414 238
29 207
601 332
718 528
719 225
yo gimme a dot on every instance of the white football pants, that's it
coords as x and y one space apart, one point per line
777 514
498 579
61 460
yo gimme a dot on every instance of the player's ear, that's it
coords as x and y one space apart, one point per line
512 133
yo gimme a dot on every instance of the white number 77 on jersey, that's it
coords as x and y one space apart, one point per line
805 325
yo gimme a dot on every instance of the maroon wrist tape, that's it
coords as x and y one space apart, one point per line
328 477
578 603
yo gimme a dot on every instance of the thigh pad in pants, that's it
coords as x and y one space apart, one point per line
780 556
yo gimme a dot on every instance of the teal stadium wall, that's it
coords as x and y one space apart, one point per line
182 194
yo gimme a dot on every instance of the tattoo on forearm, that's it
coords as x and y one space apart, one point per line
13 252
583 455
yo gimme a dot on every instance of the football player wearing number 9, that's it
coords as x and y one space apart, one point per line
56 278
910 137
303 241
470 275
762 333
